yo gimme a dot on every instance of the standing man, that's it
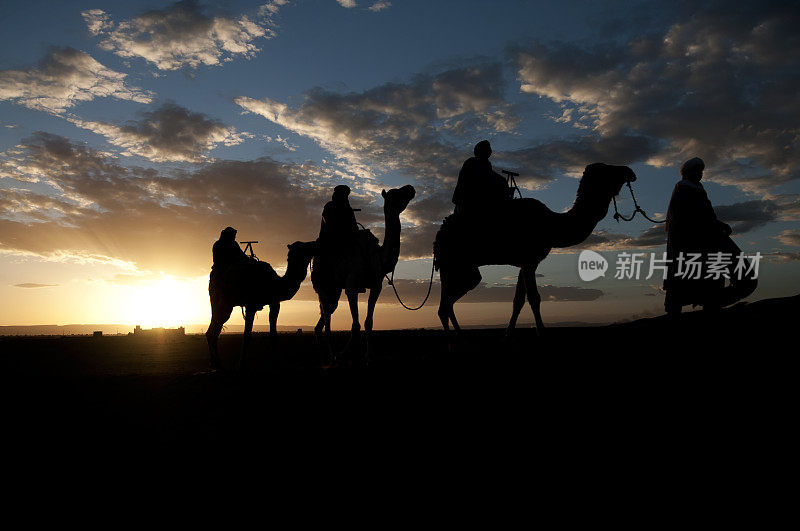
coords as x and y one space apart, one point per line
693 228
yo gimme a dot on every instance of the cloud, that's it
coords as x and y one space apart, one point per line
748 215
790 237
168 133
410 127
783 256
607 241
64 78
379 6
183 34
34 285
721 85
144 219
347 3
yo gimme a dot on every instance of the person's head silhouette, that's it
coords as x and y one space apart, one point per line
228 233
340 193
692 169
483 150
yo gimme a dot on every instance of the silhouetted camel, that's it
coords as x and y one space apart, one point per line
374 261
529 232
253 286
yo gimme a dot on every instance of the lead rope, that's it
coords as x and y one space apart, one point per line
637 208
430 285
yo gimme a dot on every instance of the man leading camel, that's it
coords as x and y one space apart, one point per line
693 229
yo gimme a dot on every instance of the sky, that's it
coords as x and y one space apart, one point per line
131 133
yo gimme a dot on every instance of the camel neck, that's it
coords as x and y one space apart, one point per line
579 221
296 271
390 249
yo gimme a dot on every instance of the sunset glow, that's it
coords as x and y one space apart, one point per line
132 133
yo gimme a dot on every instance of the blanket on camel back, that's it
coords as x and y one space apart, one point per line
245 284
516 234
356 268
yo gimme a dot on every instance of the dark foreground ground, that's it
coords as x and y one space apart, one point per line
570 386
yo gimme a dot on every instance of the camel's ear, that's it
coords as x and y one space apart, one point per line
383 193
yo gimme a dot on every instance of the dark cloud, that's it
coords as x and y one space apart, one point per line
34 285
549 158
721 85
183 34
608 241
64 78
168 133
748 215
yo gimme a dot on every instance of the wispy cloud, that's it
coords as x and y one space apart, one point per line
184 34
379 6
64 78
34 285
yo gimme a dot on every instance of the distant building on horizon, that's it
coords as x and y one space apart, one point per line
158 332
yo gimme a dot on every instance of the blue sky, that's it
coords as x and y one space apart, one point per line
131 132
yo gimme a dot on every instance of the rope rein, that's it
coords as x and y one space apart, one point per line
637 208
396 294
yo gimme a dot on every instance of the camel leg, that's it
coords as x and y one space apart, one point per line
274 310
518 304
249 317
445 305
374 293
327 305
446 313
219 316
355 328
534 299
320 326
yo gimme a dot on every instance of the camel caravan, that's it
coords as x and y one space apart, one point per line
347 258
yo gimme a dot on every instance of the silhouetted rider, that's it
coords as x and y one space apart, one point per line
338 229
226 251
479 188
693 228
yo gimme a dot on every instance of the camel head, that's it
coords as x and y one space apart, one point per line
605 180
396 200
301 252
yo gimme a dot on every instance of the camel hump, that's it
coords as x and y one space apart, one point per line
367 240
263 270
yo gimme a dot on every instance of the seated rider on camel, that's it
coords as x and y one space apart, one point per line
338 239
480 192
226 252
